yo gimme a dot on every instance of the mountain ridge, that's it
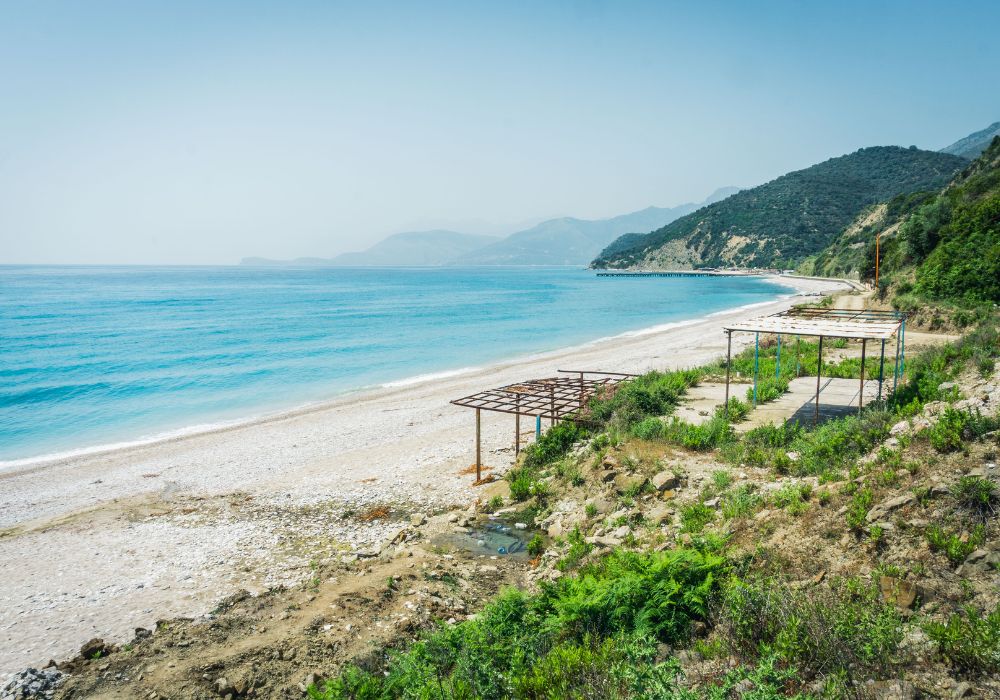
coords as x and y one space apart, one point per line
787 219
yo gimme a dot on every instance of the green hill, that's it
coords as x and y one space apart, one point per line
788 219
948 249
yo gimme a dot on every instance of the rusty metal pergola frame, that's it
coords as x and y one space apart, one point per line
851 324
552 398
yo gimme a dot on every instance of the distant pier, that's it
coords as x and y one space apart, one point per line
675 273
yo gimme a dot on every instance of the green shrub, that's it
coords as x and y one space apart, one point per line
553 444
951 543
857 510
968 640
494 504
590 635
738 410
976 493
652 394
946 434
522 481
709 435
578 549
648 428
695 517
740 502
818 630
536 545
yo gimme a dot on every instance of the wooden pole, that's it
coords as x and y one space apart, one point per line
819 373
479 458
729 362
861 390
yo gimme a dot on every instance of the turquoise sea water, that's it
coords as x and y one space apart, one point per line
99 355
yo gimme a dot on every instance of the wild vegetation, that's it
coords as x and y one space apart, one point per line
780 223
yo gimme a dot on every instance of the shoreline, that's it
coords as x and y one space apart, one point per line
28 464
97 545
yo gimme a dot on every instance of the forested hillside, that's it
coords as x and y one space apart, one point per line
780 223
949 248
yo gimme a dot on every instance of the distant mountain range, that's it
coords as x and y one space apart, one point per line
563 241
780 223
974 144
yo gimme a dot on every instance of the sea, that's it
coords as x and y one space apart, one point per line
96 357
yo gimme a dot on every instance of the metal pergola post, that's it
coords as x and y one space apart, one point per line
881 369
895 367
479 453
777 363
517 427
861 389
729 362
819 373
902 350
756 359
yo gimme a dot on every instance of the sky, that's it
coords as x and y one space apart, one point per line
141 132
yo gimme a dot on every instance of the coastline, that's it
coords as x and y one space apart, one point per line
30 464
144 531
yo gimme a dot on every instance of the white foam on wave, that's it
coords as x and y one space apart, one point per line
414 380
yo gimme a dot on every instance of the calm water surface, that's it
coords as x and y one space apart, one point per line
98 355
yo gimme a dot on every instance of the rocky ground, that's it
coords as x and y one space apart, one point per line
373 575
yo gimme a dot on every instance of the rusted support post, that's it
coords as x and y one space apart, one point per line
861 390
581 392
552 405
819 374
479 452
729 362
517 427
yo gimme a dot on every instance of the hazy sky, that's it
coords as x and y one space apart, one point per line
202 132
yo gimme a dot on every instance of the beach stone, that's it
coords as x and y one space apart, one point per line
665 480
624 483
886 507
660 514
418 519
902 594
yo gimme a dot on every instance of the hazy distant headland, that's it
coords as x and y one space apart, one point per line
561 241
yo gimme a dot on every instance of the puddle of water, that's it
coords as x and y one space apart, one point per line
494 538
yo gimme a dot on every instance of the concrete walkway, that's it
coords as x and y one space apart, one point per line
837 398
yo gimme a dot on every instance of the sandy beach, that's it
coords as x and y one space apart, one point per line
98 544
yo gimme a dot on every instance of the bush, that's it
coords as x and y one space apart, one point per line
707 436
738 410
578 549
951 543
536 545
976 494
652 394
553 444
968 640
590 635
857 510
648 428
740 502
695 517
818 630
946 434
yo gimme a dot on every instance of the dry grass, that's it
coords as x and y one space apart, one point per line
379 512
471 469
